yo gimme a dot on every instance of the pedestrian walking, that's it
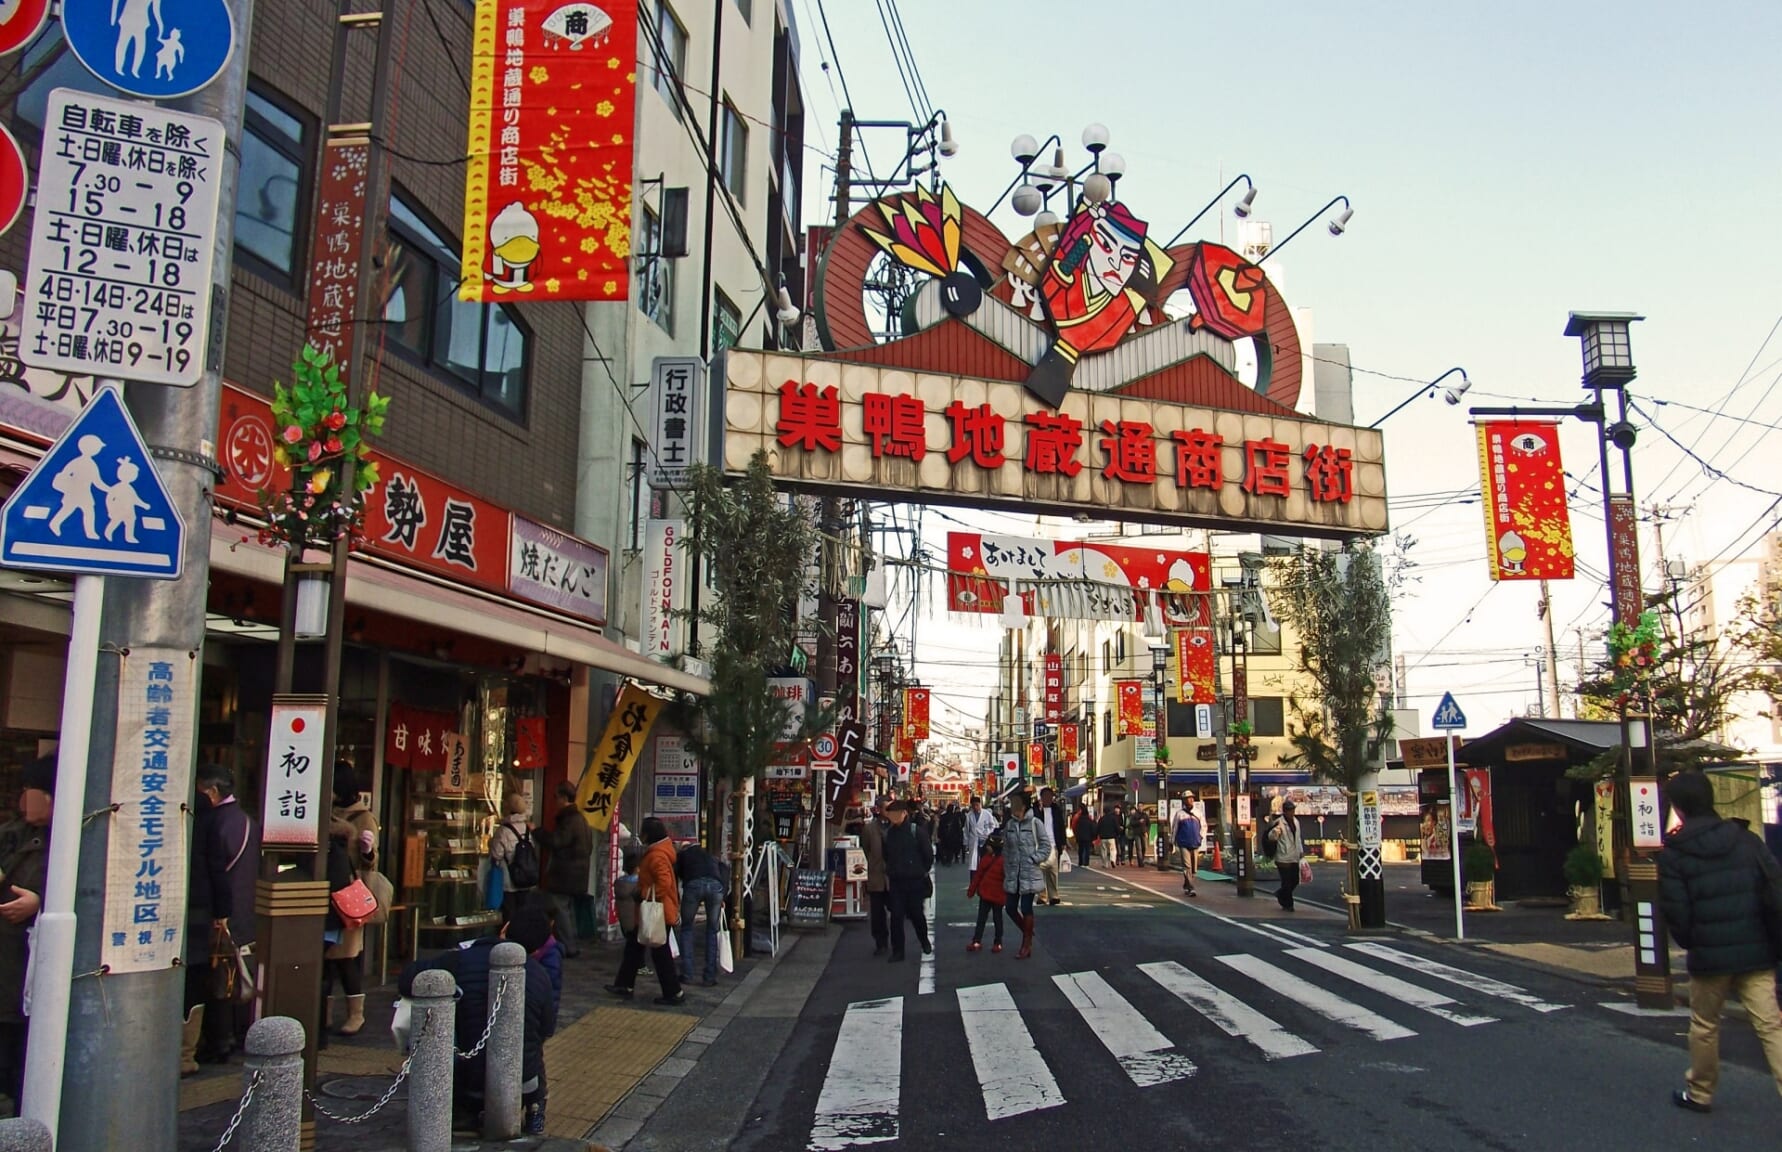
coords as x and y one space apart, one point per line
1025 846
514 855
701 888
1086 835
978 826
625 904
1281 840
1108 831
952 835
353 827
1051 811
1188 838
566 877
1721 892
987 887
655 881
909 858
872 842
1136 826
219 913
24 870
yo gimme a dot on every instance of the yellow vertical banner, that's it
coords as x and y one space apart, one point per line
598 792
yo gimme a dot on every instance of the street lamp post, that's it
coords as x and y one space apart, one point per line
1452 395
1160 745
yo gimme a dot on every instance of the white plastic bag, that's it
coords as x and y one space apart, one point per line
1064 864
726 960
652 924
674 945
401 1022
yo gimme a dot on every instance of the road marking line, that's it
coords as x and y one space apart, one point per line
1290 936
1227 1012
1403 991
1471 981
1287 936
1327 1004
1010 1069
859 1101
1141 1049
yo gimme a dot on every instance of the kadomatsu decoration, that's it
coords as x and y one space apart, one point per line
1633 656
317 432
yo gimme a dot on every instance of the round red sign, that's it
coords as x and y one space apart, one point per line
15 181
20 22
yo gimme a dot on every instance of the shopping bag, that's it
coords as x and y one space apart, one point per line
1305 871
726 961
494 885
1064 864
674 945
652 924
401 1021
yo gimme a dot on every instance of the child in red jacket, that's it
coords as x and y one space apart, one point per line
986 885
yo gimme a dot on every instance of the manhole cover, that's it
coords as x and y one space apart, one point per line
366 1088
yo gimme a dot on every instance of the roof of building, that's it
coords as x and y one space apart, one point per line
1585 737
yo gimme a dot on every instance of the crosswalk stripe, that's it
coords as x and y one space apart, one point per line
1324 1003
1010 1069
1403 991
859 1101
1141 1049
1227 1012
1471 981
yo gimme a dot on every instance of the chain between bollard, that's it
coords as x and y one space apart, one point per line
240 1111
489 1029
389 1093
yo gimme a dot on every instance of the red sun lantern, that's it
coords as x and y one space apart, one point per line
1227 291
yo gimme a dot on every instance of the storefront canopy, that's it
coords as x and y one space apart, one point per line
1112 782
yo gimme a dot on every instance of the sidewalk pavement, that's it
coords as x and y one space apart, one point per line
603 1050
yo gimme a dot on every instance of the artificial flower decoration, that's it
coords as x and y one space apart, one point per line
318 433
1633 656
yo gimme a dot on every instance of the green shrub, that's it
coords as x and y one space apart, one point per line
1479 863
1583 867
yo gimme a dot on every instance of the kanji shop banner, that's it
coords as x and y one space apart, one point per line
904 750
547 194
1053 697
531 746
862 428
1068 738
1131 694
1196 662
1074 579
915 713
1527 530
597 793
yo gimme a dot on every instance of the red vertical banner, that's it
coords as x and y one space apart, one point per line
1624 560
1132 706
1036 758
1475 804
1054 688
334 254
1528 533
399 737
530 748
1068 737
915 713
547 193
1196 659
905 750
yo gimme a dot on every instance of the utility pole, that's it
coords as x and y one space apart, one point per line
829 515
1552 651
122 1046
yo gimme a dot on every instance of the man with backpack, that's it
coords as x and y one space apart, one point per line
513 854
1188 839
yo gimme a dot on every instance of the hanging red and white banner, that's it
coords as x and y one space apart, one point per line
1074 579
1527 531
1053 692
915 713
1196 663
1068 737
1131 694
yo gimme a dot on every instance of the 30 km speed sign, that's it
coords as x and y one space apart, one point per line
119 282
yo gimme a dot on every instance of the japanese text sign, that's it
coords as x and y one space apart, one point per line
121 242
1068 738
796 692
847 654
1075 579
1528 533
547 195
335 253
662 580
857 427
1131 694
1369 817
597 793
1624 563
146 864
293 772
1196 665
559 571
677 424
1052 691
1648 823
455 780
916 702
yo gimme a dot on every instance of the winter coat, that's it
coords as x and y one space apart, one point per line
550 958
872 842
348 826
572 848
655 879
469 966
1056 822
625 897
26 867
978 826
225 859
1281 839
1712 877
1087 832
1025 846
502 843
1108 827
986 883
908 854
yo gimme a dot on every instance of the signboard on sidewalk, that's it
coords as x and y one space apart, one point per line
293 772
1648 825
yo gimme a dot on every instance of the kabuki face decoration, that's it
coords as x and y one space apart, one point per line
1114 254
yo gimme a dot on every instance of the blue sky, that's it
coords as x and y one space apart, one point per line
1508 162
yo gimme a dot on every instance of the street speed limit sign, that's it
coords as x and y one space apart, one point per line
824 747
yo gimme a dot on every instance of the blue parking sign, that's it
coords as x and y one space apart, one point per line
157 49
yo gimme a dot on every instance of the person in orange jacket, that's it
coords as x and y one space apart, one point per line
986 885
655 881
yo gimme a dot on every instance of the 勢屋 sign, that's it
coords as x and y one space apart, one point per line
950 439
597 793
1527 529
547 195
146 862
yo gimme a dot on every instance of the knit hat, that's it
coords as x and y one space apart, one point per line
40 774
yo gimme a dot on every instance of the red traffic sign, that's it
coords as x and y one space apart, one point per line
15 181
20 22
824 747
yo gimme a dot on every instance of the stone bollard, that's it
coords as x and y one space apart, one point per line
435 1013
274 1117
504 1058
24 1136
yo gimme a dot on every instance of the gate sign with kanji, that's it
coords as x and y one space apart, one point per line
121 241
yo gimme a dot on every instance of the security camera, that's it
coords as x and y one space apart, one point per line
1242 208
1453 395
1623 434
1341 222
948 146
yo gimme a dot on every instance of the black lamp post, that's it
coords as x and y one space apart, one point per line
1160 745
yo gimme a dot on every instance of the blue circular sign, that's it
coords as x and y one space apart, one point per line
158 49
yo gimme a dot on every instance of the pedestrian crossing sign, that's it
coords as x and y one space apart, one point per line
1448 714
94 505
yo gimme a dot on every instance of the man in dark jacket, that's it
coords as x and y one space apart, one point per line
225 852
566 876
1051 814
1721 893
701 887
1111 831
909 857
23 873
530 928
878 885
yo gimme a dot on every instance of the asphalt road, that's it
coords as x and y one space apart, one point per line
1143 1023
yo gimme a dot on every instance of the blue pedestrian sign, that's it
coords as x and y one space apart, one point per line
157 49
1448 714
94 504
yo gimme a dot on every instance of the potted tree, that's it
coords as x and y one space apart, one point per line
1584 873
1479 866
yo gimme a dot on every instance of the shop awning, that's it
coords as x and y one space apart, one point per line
1183 776
1110 782
382 587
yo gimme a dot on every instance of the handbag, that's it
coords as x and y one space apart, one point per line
494 886
726 960
652 923
354 904
1305 871
383 892
230 977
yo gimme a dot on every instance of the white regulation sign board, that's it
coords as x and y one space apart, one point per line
121 241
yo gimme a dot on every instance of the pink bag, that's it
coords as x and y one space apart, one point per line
354 904
1305 871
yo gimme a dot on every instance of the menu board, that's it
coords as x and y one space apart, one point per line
808 905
